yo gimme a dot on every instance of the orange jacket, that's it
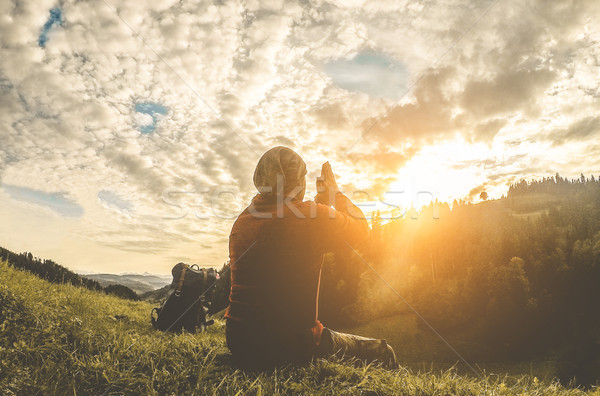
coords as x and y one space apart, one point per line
275 252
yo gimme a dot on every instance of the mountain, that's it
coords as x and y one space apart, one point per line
55 273
156 296
140 283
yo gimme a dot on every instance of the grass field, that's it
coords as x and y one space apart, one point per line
60 339
421 349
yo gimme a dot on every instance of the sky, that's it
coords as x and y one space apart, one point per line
129 131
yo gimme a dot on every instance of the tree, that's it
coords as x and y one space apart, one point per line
122 292
483 196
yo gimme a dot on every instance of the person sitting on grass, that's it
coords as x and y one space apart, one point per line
276 247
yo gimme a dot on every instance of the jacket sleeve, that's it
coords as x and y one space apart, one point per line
342 226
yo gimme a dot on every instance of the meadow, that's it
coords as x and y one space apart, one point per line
62 339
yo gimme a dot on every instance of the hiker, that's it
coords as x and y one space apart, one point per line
276 247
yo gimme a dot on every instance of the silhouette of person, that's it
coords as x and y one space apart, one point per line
276 247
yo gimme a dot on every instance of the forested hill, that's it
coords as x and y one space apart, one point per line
517 276
556 185
55 273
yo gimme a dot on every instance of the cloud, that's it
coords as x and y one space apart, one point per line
370 72
488 129
429 115
147 115
113 200
104 124
331 116
490 163
579 130
376 190
515 90
382 159
58 202
505 81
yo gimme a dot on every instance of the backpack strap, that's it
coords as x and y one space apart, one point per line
181 277
319 288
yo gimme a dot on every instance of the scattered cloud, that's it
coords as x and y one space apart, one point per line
58 202
112 200
580 130
94 123
375 74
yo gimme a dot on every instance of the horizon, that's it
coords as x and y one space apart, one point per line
130 132
385 220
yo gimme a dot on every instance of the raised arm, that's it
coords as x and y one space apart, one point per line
347 223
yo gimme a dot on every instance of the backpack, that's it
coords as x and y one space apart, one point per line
186 305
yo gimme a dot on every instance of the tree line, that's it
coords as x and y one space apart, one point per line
518 275
55 273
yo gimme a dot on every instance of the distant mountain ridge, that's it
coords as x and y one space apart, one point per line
56 273
140 283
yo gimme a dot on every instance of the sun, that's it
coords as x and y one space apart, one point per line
443 171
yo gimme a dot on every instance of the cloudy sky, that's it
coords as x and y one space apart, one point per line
129 130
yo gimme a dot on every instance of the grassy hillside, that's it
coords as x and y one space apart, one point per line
55 273
421 349
61 339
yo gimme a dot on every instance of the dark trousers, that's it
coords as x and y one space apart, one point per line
353 346
254 347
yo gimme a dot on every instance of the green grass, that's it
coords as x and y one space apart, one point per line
419 348
60 339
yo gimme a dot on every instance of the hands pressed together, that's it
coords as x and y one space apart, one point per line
327 187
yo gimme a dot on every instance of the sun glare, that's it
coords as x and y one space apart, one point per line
445 172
